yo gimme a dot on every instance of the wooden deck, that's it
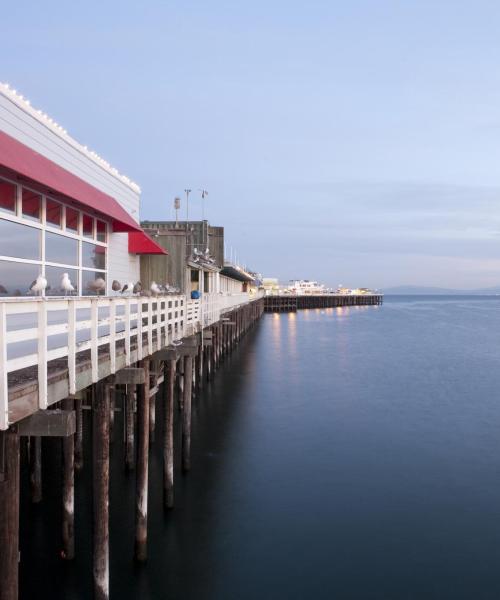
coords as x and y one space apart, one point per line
291 303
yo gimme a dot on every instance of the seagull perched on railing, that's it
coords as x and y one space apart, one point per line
155 288
97 286
137 289
116 286
127 288
39 285
66 285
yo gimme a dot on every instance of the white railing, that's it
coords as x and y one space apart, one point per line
35 331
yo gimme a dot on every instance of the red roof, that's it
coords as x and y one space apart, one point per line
140 243
17 157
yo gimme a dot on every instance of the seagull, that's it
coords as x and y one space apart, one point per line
207 252
137 289
116 286
128 287
66 285
155 288
98 285
39 285
3 290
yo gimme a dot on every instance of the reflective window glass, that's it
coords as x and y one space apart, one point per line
58 284
61 249
8 193
88 226
92 282
101 231
93 256
32 205
20 241
16 278
53 213
72 219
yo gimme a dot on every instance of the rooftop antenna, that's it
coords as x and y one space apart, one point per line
177 205
203 194
188 191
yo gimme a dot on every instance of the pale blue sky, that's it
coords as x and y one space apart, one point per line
353 142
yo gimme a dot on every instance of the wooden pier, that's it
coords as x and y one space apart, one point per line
183 344
292 303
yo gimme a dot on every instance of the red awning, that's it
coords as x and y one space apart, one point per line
140 243
31 165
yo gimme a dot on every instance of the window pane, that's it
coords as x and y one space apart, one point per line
53 213
61 249
16 278
88 226
7 196
93 257
20 241
101 231
90 280
54 276
32 204
72 219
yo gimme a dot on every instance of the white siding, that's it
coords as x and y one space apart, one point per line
21 125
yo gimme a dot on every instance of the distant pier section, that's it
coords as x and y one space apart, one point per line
294 302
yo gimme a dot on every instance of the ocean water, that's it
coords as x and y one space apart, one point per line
349 453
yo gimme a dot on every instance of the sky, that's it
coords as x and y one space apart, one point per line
349 142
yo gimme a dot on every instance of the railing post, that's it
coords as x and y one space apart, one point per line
112 335
4 387
150 326
127 331
158 323
72 345
42 354
93 340
139 330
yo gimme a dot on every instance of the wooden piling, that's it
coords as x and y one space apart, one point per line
186 414
141 512
36 469
112 403
152 403
79 435
68 492
100 452
168 434
129 427
9 519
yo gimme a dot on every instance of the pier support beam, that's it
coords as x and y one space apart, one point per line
9 515
186 413
36 469
79 435
129 427
168 434
68 494
141 500
100 448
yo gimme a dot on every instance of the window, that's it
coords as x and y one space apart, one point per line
206 281
93 256
61 249
19 241
16 278
8 192
88 226
72 218
32 205
101 231
53 213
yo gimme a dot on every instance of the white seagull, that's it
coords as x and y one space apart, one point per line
66 285
155 288
39 285
97 286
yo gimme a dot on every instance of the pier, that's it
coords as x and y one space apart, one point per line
292 303
103 354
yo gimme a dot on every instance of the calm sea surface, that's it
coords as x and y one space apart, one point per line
339 453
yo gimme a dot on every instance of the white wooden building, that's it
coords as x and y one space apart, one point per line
63 209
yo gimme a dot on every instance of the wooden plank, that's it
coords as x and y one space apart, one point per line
72 346
4 389
93 340
112 335
42 355
130 375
